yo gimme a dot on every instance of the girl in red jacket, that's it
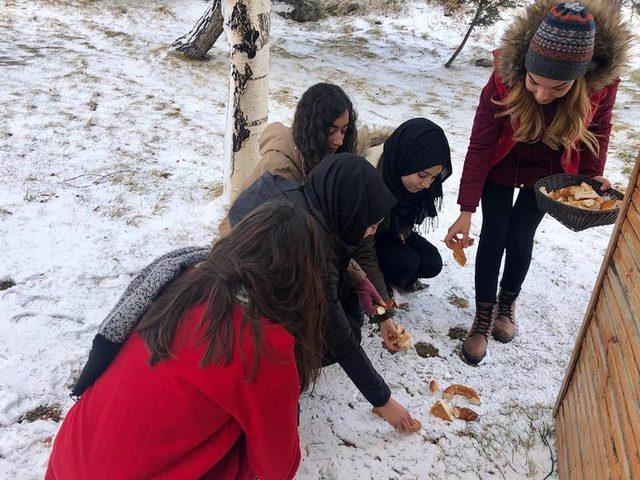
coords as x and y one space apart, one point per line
546 109
208 386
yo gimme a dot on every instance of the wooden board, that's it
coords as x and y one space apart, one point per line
633 184
597 411
618 353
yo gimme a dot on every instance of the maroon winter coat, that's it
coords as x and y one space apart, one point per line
493 153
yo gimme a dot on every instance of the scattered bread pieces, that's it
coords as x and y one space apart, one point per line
434 387
403 340
583 196
442 410
469 393
458 254
466 414
415 426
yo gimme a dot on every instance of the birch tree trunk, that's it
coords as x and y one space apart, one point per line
246 25
203 35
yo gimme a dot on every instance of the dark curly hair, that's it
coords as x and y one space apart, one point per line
317 109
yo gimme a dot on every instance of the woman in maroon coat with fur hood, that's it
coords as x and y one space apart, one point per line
546 109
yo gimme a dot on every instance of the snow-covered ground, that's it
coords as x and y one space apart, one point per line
111 154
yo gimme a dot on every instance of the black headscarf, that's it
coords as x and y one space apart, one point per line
349 195
414 146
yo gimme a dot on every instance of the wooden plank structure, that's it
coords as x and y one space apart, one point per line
597 413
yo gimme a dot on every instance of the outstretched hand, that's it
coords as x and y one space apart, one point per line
390 335
460 227
396 415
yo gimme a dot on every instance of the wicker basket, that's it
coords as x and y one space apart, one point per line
577 219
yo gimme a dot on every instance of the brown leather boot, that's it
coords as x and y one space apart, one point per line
504 327
475 343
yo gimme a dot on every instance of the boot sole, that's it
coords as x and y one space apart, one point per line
502 339
471 359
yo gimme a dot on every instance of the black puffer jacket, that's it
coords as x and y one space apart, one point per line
342 342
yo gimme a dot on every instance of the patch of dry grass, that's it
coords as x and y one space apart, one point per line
161 205
537 433
277 50
340 8
135 220
42 412
116 212
628 159
164 10
458 332
284 96
458 301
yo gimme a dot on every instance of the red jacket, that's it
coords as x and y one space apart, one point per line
180 421
492 140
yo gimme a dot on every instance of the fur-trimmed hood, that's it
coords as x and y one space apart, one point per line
369 137
611 44
371 142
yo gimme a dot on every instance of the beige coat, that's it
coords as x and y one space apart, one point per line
280 156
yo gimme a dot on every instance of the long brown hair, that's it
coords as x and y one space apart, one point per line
315 113
568 126
275 258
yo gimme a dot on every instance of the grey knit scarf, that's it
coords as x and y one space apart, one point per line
131 307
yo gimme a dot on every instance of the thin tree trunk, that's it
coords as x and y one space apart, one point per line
246 24
203 35
481 5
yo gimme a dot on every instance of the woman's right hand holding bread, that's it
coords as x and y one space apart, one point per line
461 226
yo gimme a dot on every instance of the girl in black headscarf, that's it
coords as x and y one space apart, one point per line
348 198
416 159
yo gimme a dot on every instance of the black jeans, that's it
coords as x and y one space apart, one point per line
510 227
402 263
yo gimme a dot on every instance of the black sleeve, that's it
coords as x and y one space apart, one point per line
365 377
102 353
339 335
345 348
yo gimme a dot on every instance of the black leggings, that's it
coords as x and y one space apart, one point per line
402 263
505 227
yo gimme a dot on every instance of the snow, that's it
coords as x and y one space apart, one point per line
111 154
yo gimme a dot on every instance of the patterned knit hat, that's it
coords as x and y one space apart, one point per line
562 47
